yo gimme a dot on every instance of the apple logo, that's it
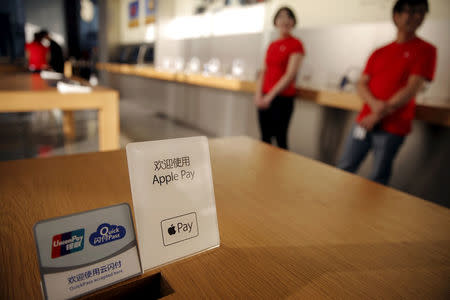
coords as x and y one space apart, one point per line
171 230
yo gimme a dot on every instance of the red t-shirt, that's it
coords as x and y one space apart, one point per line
37 56
277 58
389 69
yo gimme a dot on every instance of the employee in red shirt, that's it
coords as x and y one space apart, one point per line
275 91
37 54
394 74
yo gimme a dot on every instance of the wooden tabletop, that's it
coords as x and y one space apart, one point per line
289 227
11 68
25 92
31 82
29 92
437 114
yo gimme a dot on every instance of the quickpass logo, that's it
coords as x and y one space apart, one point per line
107 233
67 243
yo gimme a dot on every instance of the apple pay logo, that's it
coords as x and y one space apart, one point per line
179 228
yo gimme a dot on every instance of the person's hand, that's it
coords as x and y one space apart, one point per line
257 99
370 121
265 101
379 107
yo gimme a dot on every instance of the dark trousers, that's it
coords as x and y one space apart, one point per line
274 121
385 147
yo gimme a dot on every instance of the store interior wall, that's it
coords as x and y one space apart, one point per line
327 28
48 14
321 13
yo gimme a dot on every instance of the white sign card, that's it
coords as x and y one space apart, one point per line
173 198
84 252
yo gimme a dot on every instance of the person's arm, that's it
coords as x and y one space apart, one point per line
27 56
398 100
259 83
48 57
414 85
294 64
367 96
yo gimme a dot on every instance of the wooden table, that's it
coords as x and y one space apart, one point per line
23 92
11 68
289 227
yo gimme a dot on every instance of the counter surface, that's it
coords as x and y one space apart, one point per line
289 227
436 114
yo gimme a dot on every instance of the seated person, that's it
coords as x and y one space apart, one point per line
37 54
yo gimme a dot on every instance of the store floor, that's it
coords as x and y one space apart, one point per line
39 134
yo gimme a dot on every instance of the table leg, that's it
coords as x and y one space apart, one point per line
69 125
109 124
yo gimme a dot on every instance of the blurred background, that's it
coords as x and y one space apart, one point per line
224 39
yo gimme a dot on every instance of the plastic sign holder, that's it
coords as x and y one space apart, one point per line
173 199
88 251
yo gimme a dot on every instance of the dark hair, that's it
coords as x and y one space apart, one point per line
400 5
288 11
44 32
38 36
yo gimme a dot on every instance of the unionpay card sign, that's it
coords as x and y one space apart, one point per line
84 252
173 197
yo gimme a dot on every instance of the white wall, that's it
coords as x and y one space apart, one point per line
37 18
139 34
338 36
310 14
332 51
330 12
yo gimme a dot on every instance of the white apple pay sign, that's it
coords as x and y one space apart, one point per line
173 199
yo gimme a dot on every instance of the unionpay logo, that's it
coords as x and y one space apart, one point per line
107 233
67 243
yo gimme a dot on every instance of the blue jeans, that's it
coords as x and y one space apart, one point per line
385 147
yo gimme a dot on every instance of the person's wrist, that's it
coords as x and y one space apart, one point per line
378 106
372 104
390 107
378 115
